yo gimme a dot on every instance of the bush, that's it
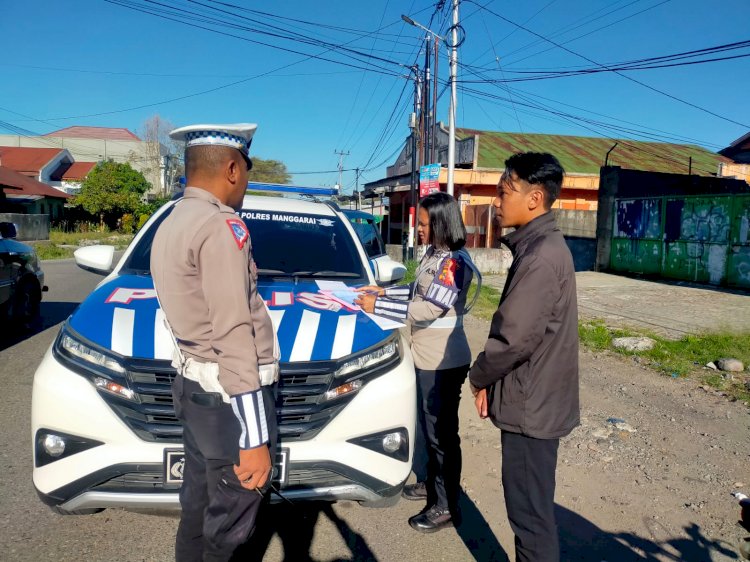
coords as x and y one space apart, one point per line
142 220
126 223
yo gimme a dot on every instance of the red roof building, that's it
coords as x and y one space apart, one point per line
25 187
107 133
77 171
27 161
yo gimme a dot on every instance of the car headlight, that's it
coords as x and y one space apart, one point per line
370 360
104 370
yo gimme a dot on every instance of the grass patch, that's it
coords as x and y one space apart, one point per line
49 251
75 238
486 304
685 357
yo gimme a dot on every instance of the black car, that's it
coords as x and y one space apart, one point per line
21 280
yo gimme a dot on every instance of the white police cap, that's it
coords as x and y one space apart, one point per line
238 135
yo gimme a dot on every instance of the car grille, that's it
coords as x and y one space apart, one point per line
301 412
150 480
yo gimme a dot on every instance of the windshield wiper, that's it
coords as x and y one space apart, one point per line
275 272
326 273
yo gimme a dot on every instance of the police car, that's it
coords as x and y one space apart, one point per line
103 425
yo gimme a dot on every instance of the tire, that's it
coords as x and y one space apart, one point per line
25 303
60 511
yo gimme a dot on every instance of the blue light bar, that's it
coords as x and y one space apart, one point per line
281 188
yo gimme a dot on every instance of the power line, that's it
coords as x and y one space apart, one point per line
703 109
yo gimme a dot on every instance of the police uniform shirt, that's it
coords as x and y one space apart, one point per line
207 285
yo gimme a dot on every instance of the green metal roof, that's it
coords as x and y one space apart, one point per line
585 155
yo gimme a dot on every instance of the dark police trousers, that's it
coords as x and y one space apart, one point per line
218 514
438 395
529 486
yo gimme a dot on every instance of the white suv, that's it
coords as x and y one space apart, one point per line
104 432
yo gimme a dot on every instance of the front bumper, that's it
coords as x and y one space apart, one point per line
126 471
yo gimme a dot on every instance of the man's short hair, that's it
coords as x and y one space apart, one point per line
540 169
206 159
447 228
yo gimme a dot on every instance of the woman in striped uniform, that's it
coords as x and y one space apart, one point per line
433 307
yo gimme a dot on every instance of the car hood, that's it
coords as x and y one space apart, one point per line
123 315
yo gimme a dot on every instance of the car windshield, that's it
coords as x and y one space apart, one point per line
302 245
284 244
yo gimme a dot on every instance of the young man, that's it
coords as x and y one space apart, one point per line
526 379
203 272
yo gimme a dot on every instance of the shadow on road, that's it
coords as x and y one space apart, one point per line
477 534
52 313
583 541
295 527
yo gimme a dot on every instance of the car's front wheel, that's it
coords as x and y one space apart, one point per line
26 303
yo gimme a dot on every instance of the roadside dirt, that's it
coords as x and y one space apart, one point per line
656 488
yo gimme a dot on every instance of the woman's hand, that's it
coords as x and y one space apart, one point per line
373 289
366 301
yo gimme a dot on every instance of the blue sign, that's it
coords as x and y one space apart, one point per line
429 179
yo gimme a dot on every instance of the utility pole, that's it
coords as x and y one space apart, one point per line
356 187
414 125
452 111
341 154
426 111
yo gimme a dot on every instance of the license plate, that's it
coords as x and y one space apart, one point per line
174 466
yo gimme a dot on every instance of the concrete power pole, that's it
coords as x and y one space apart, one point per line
452 110
341 154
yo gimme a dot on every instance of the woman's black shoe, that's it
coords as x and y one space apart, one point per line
433 519
415 492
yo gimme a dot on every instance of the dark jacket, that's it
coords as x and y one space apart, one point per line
530 361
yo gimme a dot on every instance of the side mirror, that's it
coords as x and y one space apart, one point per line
97 259
387 270
8 230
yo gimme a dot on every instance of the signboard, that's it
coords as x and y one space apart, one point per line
429 181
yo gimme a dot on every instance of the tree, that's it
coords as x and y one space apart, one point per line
110 190
269 171
161 153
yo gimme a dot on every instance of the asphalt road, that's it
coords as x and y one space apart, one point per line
660 494
30 531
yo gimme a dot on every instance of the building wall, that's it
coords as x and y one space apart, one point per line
675 226
29 227
137 153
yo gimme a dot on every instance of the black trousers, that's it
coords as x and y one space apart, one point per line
438 395
529 486
218 514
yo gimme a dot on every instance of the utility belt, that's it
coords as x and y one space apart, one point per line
207 374
445 323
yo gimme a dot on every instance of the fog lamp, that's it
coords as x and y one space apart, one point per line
54 445
392 442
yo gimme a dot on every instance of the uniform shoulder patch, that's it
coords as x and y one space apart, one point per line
239 232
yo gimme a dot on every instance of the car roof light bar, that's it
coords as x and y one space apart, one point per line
284 188
281 188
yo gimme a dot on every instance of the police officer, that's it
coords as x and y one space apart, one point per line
226 352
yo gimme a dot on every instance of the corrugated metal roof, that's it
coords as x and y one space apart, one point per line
28 186
26 160
108 133
78 170
585 155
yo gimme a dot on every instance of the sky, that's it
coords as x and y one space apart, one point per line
100 63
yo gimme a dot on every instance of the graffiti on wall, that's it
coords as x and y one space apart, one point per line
696 233
638 219
704 239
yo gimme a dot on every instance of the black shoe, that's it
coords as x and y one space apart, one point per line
415 492
433 519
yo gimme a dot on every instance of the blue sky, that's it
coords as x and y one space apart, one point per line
75 59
